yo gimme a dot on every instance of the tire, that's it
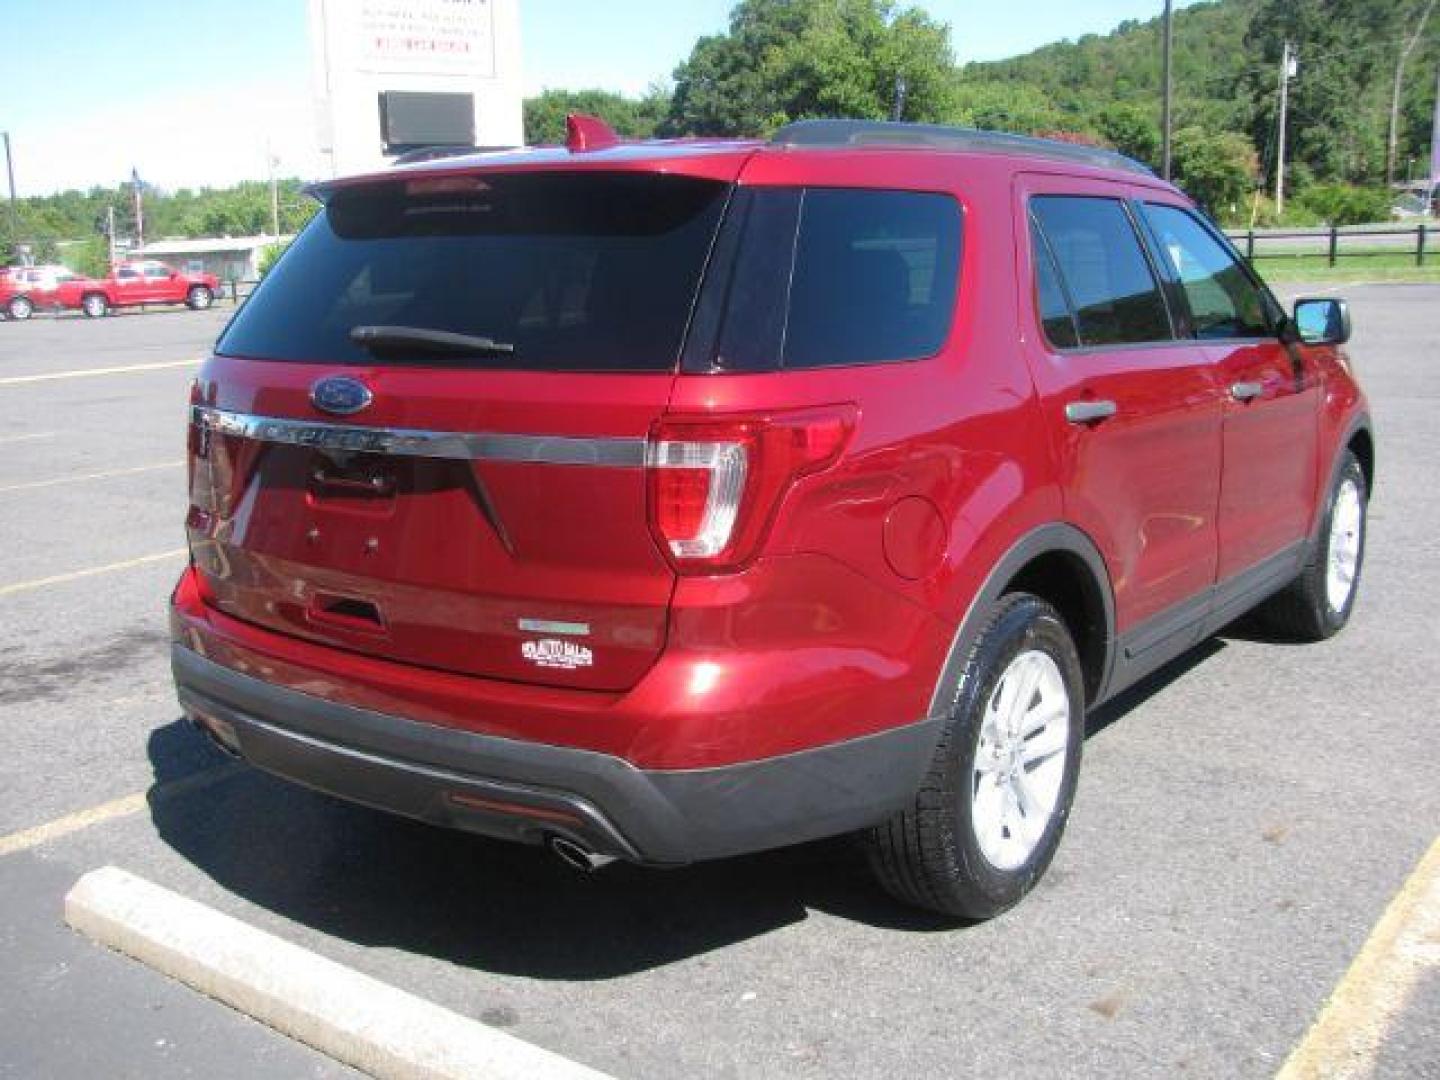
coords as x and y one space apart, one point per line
20 308
957 849
199 298
1318 603
95 305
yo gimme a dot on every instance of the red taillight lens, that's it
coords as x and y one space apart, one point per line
715 484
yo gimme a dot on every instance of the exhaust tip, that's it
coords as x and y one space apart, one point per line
576 856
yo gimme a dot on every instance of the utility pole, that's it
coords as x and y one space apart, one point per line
1287 72
897 105
110 235
271 161
1393 138
14 207
1435 145
139 208
1165 108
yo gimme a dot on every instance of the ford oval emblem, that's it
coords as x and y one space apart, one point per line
340 395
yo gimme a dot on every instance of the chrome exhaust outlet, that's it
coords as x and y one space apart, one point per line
576 856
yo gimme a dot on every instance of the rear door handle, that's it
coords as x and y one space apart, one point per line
1246 391
1088 412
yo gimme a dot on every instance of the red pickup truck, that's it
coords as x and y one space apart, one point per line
132 284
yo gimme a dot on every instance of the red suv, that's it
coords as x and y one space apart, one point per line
136 284
669 501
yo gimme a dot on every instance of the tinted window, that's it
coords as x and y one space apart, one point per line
157 272
126 272
1056 317
1103 266
578 271
874 277
1223 301
823 277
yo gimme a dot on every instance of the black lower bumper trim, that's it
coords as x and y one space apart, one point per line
525 791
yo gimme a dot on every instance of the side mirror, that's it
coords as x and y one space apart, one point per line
1320 321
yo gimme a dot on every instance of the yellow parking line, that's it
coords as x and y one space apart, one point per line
31 485
49 376
1347 1034
115 808
76 575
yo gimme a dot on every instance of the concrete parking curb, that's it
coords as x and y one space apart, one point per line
351 1017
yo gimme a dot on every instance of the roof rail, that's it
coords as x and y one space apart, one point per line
836 133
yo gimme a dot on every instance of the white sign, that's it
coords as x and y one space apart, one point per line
425 37
363 49
551 653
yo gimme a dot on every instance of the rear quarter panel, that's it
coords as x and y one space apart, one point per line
948 465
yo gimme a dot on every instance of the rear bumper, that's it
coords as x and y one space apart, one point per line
526 791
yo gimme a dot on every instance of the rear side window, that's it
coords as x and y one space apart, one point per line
1105 273
1223 301
571 271
828 277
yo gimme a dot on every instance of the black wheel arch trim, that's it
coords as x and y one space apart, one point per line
1357 424
1054 538
1360 422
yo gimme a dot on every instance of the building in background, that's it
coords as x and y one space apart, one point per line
229 258
392 76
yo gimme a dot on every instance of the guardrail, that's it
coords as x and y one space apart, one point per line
1336 243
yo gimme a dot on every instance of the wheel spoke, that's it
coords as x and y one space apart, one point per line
1046 714
1029 806
1046 745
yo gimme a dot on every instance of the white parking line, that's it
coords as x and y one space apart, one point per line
50 376
1346 1036
361 1021
6 440
76 575
31 485
124 806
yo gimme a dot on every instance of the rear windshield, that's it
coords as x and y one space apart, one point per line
570 271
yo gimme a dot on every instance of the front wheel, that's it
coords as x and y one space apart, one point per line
199 298
990 812
20 308
1317 604
95 306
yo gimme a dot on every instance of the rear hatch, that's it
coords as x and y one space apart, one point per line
423 437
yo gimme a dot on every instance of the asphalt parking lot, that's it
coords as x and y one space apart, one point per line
1243 819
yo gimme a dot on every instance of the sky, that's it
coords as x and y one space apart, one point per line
194 94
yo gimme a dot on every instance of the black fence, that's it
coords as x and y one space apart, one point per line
1336 243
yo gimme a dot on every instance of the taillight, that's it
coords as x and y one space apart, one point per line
715 483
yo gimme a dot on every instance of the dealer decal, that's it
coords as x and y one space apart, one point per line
550 653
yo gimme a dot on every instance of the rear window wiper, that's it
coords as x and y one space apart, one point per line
380 339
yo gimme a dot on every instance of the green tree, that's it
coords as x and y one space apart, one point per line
1132 130
1337 101
631 118
270 255
785 60
90 257
1017 107
1344 204
1217 169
